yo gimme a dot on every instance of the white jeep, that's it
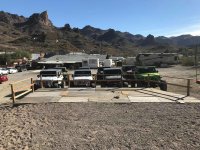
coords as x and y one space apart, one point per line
50 78
83 77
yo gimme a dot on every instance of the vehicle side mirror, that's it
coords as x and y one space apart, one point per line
72 75
38 75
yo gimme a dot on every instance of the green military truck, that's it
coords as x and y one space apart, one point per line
148 76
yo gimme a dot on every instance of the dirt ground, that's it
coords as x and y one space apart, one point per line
100 126
181 72
5 89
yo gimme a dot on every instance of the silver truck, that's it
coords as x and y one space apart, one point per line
50 78
83 77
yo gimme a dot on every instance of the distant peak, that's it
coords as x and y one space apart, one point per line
44 15
88 27
11 18
41 18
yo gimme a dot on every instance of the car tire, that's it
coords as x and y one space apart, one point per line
163 85
56 85
62 85
71 84
93 85
103 85
125 84
133 84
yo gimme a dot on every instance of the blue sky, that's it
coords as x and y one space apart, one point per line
157 17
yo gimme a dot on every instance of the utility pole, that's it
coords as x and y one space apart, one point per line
196 61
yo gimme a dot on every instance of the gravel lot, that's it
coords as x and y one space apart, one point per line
100 126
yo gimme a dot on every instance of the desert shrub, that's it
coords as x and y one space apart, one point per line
5 59
187 61
20 55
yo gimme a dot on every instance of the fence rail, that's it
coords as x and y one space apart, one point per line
147 80
22 89
130 79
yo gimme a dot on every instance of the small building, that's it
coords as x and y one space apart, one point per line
35 56
70 61
118 60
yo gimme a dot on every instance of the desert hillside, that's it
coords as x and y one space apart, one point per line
37 33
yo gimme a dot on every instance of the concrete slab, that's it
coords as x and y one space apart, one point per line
109 96
38 100
44 94
80 92
147 99
191 100
106 95
81 89
73 99
64 93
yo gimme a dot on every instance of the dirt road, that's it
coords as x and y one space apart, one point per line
100 126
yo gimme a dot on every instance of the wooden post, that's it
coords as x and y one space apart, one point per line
13 93
121 80
41 82
68 78
32 85
148 82
188 87
95 77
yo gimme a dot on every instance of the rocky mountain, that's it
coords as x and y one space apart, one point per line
37 33
182 40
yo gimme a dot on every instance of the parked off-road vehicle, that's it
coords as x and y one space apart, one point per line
64 72
100 72
83 78
21 67
148 76
129 74
51 78
112 77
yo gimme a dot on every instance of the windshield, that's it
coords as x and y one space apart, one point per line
82 73
48 73
61 68
146 70
112 72
128 68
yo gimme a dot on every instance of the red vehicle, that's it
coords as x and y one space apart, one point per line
3 78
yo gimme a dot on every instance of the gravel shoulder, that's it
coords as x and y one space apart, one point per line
100 126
